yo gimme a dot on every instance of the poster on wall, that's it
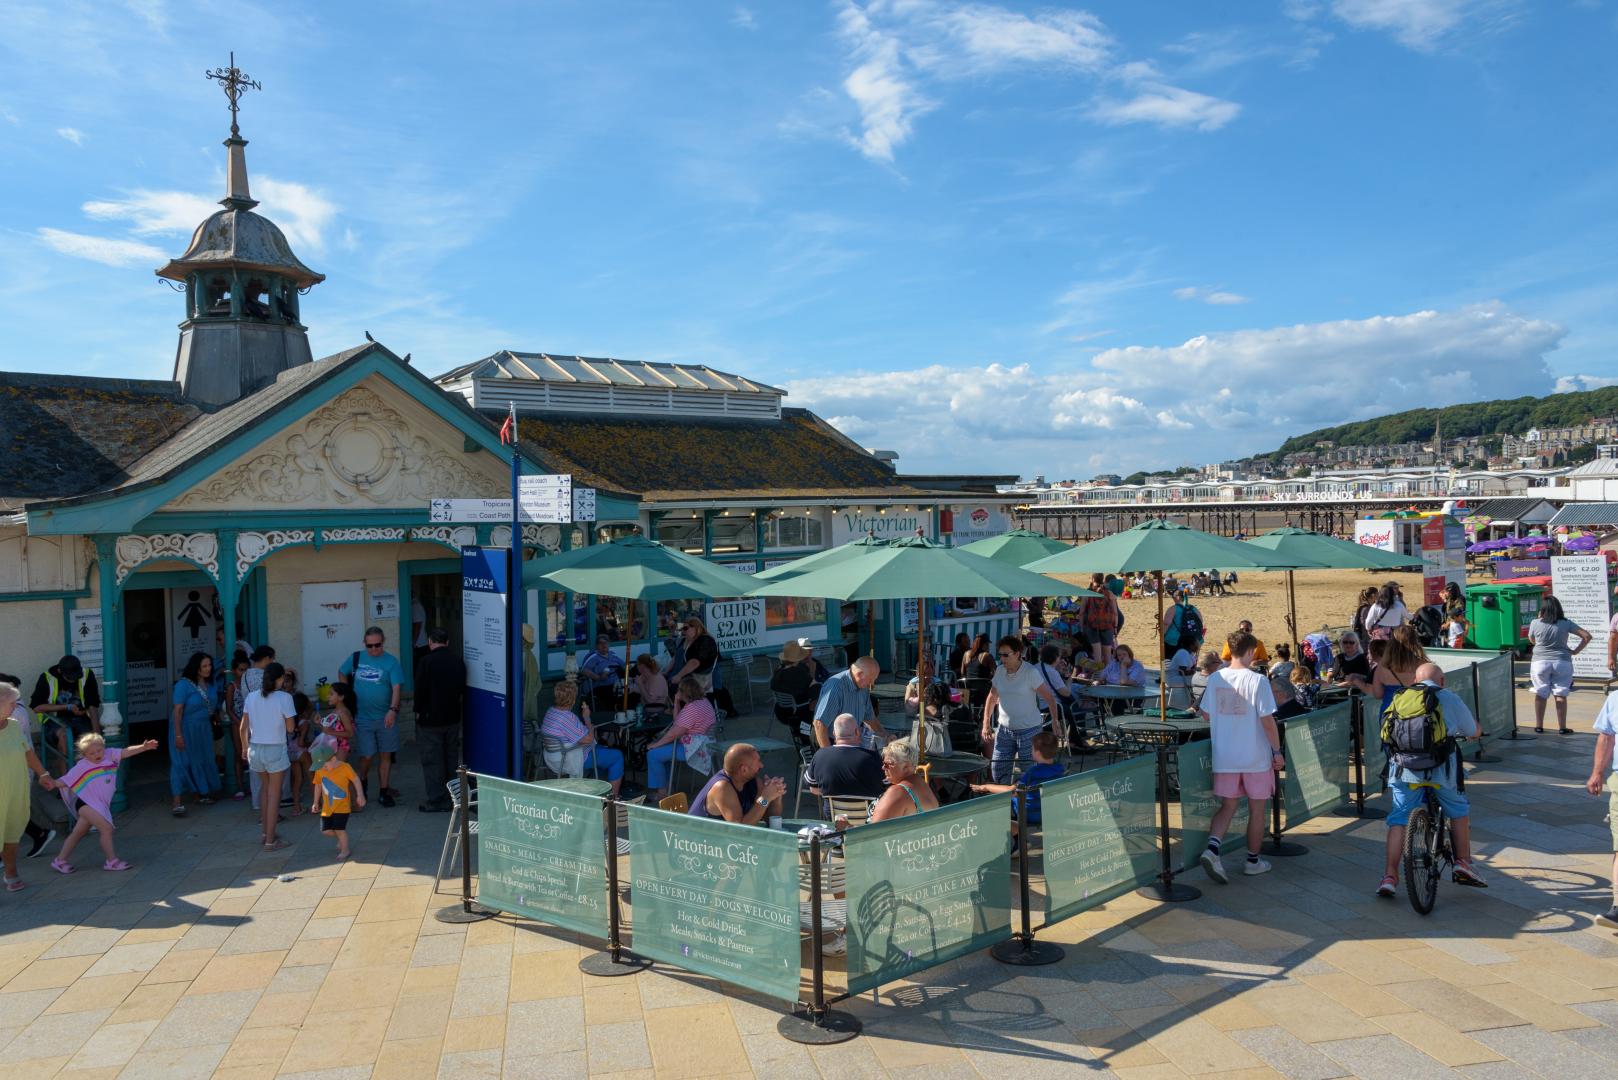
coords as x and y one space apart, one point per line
193 618
1580 583
333 618
979 523
489 738
384 604
146 692
84 628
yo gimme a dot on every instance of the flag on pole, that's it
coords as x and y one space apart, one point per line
508 430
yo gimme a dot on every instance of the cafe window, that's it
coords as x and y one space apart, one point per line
789 530
682 533
793 611
733 534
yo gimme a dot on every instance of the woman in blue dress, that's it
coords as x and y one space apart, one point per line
191 761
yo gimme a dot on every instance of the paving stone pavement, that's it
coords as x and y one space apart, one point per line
202 962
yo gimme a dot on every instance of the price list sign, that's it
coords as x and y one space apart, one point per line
736 624
718 899
1099 835
1198 804
927 888
1318 747
540 854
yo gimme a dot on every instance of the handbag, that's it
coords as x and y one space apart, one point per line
935 733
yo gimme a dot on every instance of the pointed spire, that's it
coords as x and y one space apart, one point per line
235 83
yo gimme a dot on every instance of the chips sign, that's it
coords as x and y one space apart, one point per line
736 624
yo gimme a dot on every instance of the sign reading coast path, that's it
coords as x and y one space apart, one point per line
717 899
540 854
927 888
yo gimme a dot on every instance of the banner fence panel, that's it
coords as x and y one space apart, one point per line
1376 756
1318 746
1100 835
540 854
926 889
717 899
1495 686
1198 803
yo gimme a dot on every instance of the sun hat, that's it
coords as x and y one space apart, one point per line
793 651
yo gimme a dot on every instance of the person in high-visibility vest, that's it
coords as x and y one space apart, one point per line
69 702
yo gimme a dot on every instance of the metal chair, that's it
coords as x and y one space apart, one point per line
805 755
759 676
794 714
549 745
453 836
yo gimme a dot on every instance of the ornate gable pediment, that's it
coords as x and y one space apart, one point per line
356 452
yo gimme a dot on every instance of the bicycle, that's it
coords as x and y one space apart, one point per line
1428 849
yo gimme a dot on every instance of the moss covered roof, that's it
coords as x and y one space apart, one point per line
68 435
677 459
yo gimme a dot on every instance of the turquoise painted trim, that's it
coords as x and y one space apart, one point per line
202 570
57 594
123 512
192 521
67 626
168 579
408 569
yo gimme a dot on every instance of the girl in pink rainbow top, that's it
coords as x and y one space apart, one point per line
87 788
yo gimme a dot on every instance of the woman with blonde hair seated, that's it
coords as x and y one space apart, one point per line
907 792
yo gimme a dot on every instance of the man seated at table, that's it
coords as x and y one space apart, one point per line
600 674
1287 704
1261 655
845 767
740 792
850 692
1352 660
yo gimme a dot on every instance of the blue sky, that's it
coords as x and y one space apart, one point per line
1037 239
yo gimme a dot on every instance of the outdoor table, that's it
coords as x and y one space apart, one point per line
955 766
1188 725
1106 692
582 785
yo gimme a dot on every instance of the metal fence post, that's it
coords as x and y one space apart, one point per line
615 961
814 1024
1021 950
1165 888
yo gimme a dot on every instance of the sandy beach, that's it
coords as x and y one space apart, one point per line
1324 596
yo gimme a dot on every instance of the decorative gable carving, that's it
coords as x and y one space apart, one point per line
357 452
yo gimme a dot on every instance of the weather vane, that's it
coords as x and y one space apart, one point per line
235 83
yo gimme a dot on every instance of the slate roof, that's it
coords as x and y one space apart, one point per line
1506 509
673 460
1601 513
68 435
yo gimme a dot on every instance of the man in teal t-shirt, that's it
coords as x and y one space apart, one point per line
378 679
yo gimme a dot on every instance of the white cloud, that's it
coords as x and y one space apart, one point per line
743 18
101 249
302 213
1212 396
1209 296
1416 24
72 135
1569 383
899 47
1167 106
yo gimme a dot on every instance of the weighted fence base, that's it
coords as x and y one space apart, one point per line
1171 892
602 965
458 913
1518 735
1282 849
1480 758
1020 952
831 1027
1364 813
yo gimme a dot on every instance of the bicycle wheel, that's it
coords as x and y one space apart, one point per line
1421 862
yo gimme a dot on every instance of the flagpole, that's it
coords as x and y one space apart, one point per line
514 606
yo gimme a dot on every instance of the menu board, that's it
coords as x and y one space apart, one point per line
717 899
1317 753
927 888
1099 834
1580 583
541 854
1198 804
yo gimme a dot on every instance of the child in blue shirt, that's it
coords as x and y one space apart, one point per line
1044 768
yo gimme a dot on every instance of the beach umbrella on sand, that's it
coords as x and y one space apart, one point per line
1019 547
1327 552
914 568
1156 547
831 557
638 569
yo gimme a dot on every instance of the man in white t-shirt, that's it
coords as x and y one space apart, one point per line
1239 707
1013 704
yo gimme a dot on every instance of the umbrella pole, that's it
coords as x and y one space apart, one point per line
1292 615
921 685
1162 661
629 645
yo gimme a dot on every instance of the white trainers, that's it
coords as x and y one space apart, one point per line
1256 867
837 946
1215 868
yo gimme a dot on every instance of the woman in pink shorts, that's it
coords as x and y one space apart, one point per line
1239 707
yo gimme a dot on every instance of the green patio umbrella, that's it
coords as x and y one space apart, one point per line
1155 546
1327 552
638 569
1019 547
831 557
915 567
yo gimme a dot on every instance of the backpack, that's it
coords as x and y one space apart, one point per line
1100 613
1191 624
1413 730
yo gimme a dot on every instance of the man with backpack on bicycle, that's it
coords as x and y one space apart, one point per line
1421 732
